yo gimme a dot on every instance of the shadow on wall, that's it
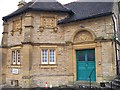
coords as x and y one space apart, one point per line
119 66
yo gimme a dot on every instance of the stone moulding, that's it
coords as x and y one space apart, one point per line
55 29
44 75
18 30
83 35
41 28
5 33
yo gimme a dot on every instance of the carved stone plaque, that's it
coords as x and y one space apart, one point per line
48 22
83 36
17 25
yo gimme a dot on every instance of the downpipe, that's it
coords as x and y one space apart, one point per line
115 40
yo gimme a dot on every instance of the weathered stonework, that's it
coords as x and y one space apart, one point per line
94 33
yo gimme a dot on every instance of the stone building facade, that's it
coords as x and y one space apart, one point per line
52 44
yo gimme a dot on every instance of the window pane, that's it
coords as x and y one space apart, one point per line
91 55
52 57
14 57
81 56
44 56
18 56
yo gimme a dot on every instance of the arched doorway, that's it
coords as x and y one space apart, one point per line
85 58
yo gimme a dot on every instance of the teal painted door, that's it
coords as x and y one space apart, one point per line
86 65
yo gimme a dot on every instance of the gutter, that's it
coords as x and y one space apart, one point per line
115 39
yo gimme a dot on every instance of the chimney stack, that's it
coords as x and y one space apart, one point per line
21 3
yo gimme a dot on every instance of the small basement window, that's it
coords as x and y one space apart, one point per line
15 83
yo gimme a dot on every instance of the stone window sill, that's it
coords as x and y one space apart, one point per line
48 66
14 66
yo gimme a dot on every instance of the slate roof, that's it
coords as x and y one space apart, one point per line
77 10
39 6
87 10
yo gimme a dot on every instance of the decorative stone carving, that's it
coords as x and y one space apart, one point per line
83 36
17 26
55 29
20 30
41 29
12 32
48 22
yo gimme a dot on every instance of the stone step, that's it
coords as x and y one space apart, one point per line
118 77
116 84
87 83
83 84
56 89
109 85
117 81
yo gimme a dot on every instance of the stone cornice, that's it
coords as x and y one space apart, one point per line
34 44
30 26
58 44
103 40
5 33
